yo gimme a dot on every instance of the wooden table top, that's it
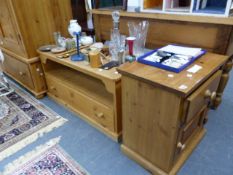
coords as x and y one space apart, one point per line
183 83
82 66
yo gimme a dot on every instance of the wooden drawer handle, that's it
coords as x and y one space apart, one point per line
211 95
53 88
22 73
229 65
99 115
40 72
181 146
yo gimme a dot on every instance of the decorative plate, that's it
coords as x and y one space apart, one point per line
47 48
58 49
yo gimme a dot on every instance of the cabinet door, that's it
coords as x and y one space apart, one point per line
9 35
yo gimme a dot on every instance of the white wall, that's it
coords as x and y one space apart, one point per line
133 3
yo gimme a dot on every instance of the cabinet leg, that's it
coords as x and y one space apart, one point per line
223 82
40 96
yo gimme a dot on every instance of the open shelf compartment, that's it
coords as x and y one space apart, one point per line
151 5
178 6
212 7
192 7
90 86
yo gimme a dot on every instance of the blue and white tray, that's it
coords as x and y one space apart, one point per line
142 59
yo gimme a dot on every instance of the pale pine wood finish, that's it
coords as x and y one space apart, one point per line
148 127
95 95
10 35
213 37
210 62
24 26
196 101
26 72
162 124
211 33
19 70
38 20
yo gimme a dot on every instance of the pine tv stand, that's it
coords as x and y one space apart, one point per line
93 94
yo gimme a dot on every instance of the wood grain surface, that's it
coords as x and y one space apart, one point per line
209 62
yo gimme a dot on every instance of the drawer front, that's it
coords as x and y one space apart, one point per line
189 130
204 95
195 124
82 103
18 70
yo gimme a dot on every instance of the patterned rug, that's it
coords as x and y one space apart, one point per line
48 159
22 120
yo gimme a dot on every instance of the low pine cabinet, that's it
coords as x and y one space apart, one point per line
163 113
94 94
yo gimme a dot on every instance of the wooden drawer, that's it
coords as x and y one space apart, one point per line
189 130
19 70
204 95
193 125
86 106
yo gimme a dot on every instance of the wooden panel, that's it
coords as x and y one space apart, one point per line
188 132
10 36
38 76
230 45
18 70
157 171
169 17
39 19
150 121
198 99
193 125
86 106
118 107
1 32
212 37
210 63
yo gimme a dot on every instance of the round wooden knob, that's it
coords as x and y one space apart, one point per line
53 88
181 146
228 66
213 96
21 73
210 95
207 93
99 115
